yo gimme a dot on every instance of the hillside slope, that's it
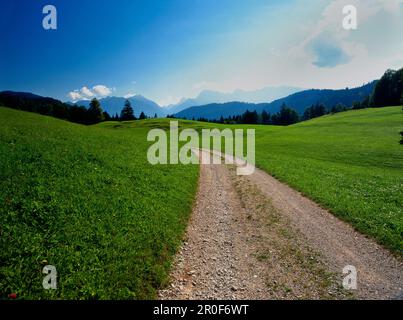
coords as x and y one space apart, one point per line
86 200
304 99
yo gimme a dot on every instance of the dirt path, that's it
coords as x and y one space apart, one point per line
253 237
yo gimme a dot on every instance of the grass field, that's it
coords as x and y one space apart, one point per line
350 162
86 200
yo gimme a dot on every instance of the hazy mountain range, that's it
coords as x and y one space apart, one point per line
140 104
298 101
264 95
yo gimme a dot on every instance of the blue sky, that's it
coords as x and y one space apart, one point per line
167 50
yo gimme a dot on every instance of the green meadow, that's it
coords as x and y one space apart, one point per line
85 199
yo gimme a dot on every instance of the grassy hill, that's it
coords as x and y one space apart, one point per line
86 200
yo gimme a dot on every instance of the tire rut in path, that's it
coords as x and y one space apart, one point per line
208 263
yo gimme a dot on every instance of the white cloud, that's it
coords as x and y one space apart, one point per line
86 93
342 40
322 54
98 91
83 94
101 90
75 95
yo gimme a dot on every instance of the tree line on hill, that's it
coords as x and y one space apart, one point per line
286 116
73 113
94 114
389 90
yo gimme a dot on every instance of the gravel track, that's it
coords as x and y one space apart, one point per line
253 237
